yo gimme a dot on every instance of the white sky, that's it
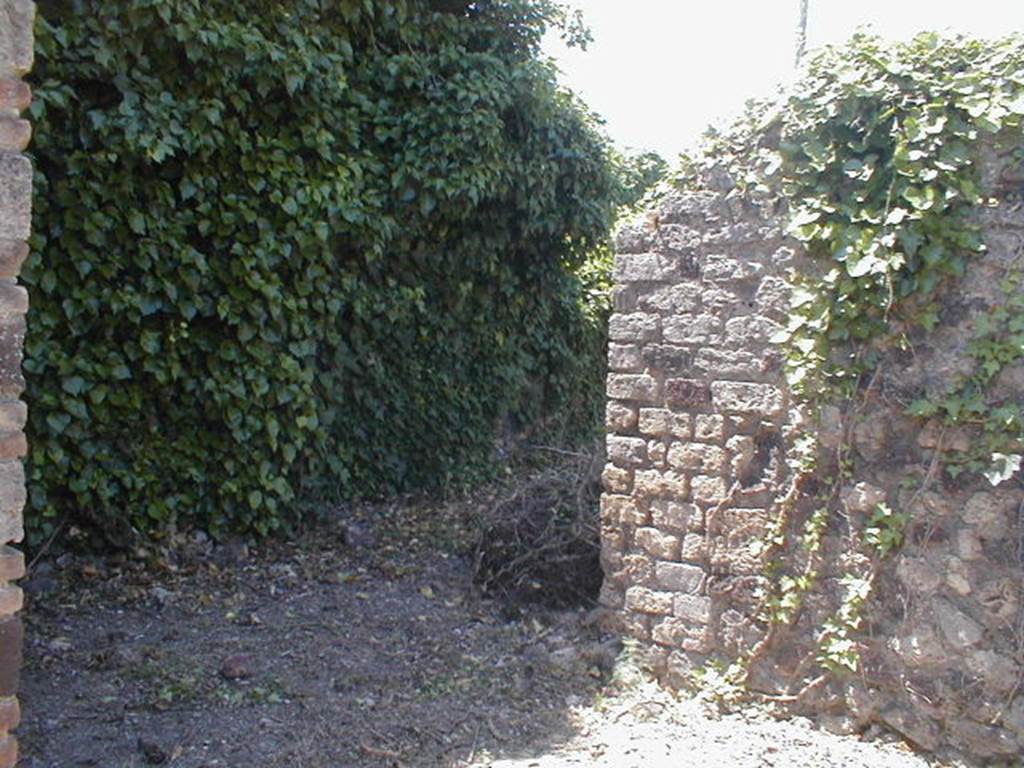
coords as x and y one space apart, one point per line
659 71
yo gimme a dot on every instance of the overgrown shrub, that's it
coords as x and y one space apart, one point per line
314 247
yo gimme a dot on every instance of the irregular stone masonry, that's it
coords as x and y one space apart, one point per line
16 42
700 425
693 386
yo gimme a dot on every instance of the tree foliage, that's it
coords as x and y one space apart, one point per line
314 247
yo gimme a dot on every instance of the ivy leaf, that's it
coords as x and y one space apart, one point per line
58 421
923 408
896 216
137 222
74 385
1004 466
921 198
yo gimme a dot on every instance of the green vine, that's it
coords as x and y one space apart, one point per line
877 150
878 147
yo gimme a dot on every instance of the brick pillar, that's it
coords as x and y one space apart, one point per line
16 20
696 402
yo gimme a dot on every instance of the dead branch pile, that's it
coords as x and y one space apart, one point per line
540 543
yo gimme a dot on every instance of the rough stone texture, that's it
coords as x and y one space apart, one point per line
16 45
702 424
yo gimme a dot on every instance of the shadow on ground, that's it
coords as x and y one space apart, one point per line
351 647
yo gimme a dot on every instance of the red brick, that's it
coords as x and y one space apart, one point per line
10 714
12 445
12 564
15 94
12 634
12 255
15 134
8 752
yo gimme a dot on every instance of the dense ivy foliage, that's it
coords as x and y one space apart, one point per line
879 149
315 247
876 150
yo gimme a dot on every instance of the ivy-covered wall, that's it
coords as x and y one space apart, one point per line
813 493
288 251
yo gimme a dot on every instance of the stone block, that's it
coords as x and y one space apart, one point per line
625 357
654 483
679 577
617 480
12 599
687 393
634 237
625 298
620 417
772 296
745 397
706 489
661 422
959 629
672 299
634 327
692 608
990 513
735 525
627 451
656 452
10 714
13 445
12 564
644 600
698 457
734 363
709 428
12 500
669 360
15 97
694 548
863 498
749 331
676 516
658 544
13 298
618 510
675 632
16 39
645 268
15 196
692 329
637 570
12 336
15 134
12 255
631 386
721 268
13 415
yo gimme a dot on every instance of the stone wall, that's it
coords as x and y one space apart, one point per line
701 433
16 20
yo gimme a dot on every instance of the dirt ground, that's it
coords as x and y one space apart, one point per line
358 644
